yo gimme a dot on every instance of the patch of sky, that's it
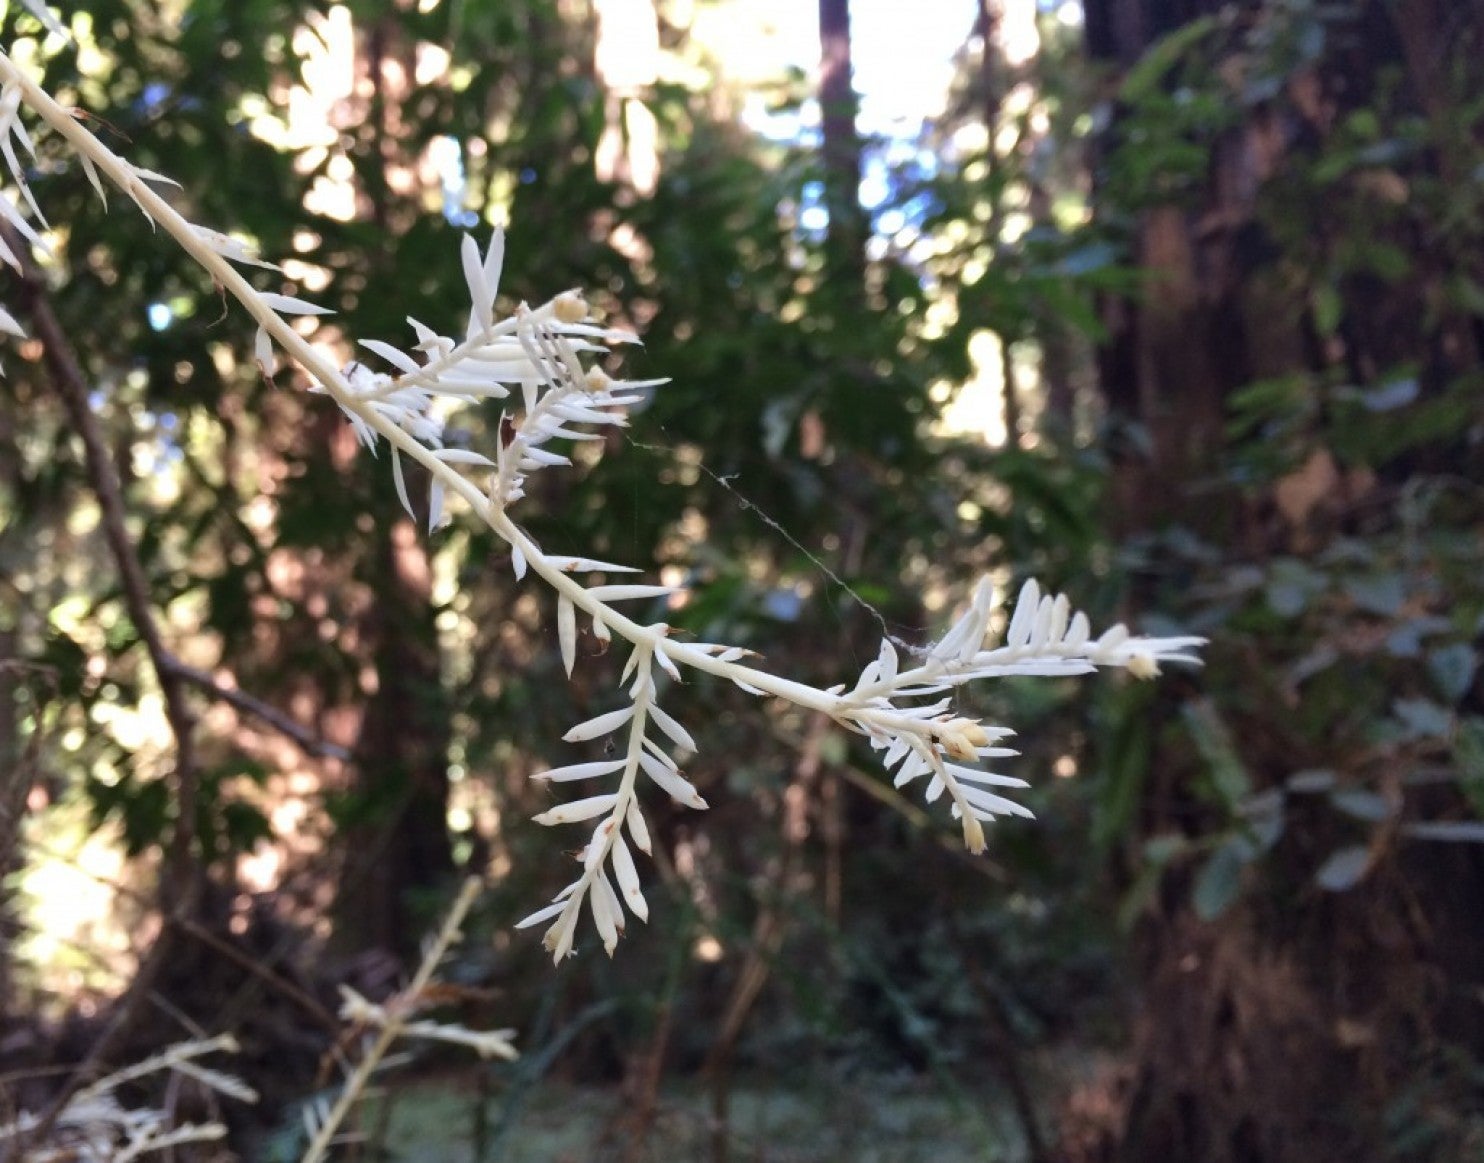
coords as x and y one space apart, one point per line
902 76
447 154
814 217
896 177
153 98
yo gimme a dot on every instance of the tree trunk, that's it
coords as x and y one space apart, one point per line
403 847
1248 1039
845 245
400 847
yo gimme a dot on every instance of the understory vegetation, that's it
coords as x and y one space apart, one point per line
325 464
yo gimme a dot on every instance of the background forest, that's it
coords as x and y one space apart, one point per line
1176 305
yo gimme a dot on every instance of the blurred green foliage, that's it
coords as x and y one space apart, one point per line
794 472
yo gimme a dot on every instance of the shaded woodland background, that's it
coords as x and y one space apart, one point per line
1229 259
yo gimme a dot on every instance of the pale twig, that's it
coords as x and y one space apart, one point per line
539 352
356 1084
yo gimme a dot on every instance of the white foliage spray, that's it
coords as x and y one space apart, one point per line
541 360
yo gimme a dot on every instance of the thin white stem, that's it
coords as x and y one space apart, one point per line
334 382
551 339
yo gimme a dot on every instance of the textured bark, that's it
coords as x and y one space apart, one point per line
1247 1051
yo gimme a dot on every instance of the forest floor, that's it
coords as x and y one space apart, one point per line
867 1120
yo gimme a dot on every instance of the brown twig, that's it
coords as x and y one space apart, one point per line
307 741
72 386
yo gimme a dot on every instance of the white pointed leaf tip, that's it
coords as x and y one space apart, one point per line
1024 617
604 907
667 664
638 829
92 175
567 632
1041 627
580 771
232 249
680 789
288 305
677 733
262 349
479 292
398 359
629 593
588 565
628 879
599 725
151 176
400 482
577 810
1061 612
463 456
494 259
560 936
887 660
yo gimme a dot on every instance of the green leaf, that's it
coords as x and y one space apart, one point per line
1328 307
1127 766
1162 849
67 663
1423 718
1291 586
245 826
1219 881
1361 803
1458 831
1452 668
1383 397
1229 778
1377 593
1146 78
1345 868
1311 780
1468 754
1265 819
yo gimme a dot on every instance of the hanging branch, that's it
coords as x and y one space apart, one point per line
542 359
